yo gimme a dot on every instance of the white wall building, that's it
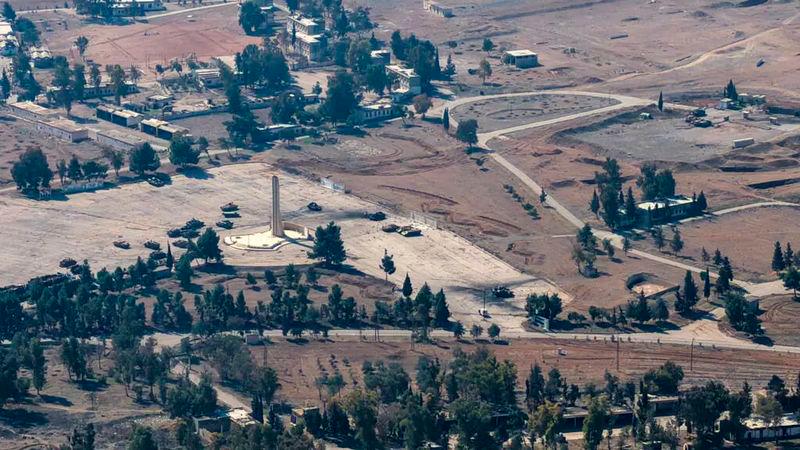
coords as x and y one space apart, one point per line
522 59
408 83
63 129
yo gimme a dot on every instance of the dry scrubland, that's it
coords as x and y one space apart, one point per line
298 365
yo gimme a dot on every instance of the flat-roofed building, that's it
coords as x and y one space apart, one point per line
521 59
303 25
382 57
63 129
208 77
437 8
41 57
119 140
664 210
162 129
407 80
381 110
119 116
136 7
32 111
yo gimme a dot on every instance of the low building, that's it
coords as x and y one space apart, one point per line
521 59
119 116
9 45
408 83
308 46
280 131
758 430
32 111
162 129
41 57
135 7
437 9
299 414
118 140
158 101
727 103
381 57
209 78
657 211
742 143
303 25
377 111
63 129
106 89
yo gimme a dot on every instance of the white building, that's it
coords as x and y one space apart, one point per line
521 59
118 140
41 57
119 116
382 57
408 83
63 129
208 77
303 25
162 129
436 8
126 7
32 111
304 37
381 110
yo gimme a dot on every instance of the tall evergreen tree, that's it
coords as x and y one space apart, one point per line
778 263
407 287
445 119
661 101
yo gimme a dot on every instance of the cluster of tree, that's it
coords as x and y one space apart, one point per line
655 184
75 171
426 309
420 55
742 314
69 83
584 252
262 67
676 244
31 172
641 311
170 313
251 18
544 305
786 264
23 76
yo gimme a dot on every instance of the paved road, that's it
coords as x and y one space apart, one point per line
188 10
223 396
761 289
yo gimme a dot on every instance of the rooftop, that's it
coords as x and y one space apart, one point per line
520 53
66 125
401 70
671 201
33 108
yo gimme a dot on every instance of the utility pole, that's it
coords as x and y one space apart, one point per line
691 356
618 353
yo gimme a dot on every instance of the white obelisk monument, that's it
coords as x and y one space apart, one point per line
277 223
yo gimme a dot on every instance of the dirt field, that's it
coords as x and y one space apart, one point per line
669 138
212 127
751 253
41 234
207 33
40 422
780 319
499 113
298 365
18 135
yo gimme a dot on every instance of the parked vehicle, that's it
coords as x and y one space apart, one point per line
314 206
502 292
125 245
226 224
377 216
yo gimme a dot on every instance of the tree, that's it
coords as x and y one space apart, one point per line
702 203
82 439
32 172
250 17
387 264
82 43
701 408
476 331
771 411
545 422
184 271
467 131
594 204
5 86
661 101
488 45
791 279
446 119
658 237
676 244
707 285
9 366
328 245
143 159
664 380
661 312
686 302
141 438
441 312
208 246
450 67
407 288
94 76
458 330
422 103
484 70
494 331
78 86
730 91
118 82
341 98
362 406
8 12
778 263
38 365
182 153
596 421
788 255
608 248
626 244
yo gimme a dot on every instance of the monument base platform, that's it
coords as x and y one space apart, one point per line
266 241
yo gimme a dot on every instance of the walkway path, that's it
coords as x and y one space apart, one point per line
761 289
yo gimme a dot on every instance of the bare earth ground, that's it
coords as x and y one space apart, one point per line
16 136
208 33
780 319
49 419
41 233
212 127
422 170
499 113
669 138
298 365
